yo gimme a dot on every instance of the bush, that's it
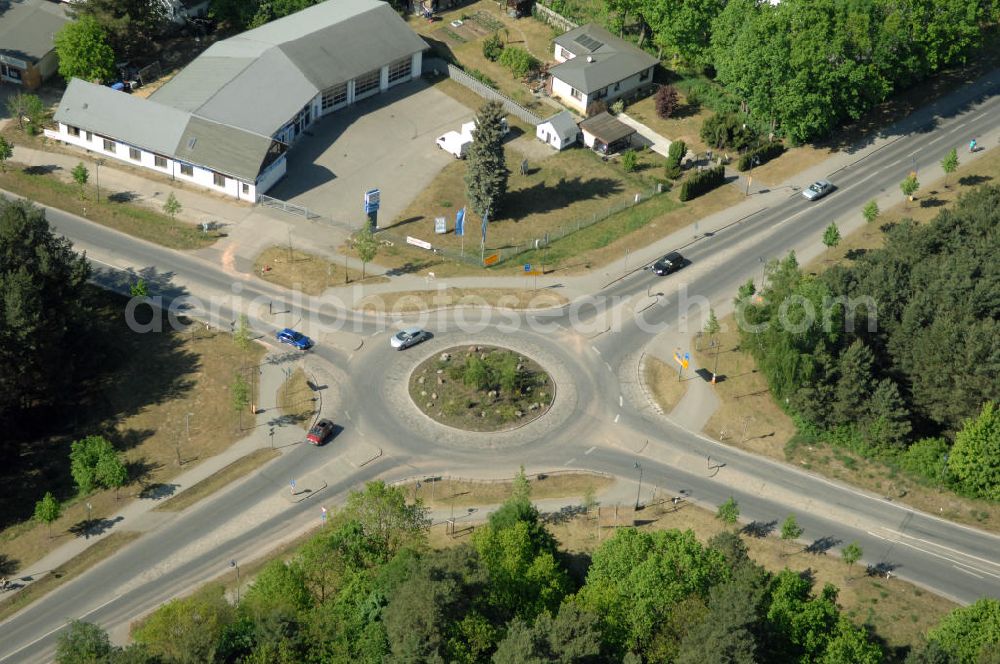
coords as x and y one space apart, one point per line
492 47
618 106
702 91
702 182
519 61
763 154
727 130
675 154
629 159
666 101
926 458
481 77
596 108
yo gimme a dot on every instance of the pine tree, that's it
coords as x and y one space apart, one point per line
855 384
486 177
888 419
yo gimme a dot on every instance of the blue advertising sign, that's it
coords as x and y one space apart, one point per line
460 222
527 267
372 197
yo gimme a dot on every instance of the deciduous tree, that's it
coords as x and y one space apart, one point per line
84 457
84 52
851 554
80 176
666 101
909 186
386 518
729 512
949 164
870 212
6 152
83 643
967 631
111 472
790 529
974 460
47 510
831 236
366 246
188 630
128 24
172 206
26 107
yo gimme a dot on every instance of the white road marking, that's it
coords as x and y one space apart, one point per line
621 401
967 571
608 365
347 414
570 461
373 334
53 631
595 350
591 449
617 417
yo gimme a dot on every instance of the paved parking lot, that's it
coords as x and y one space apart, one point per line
385 142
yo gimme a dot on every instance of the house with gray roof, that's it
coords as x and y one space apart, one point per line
227 119
594 65
27 49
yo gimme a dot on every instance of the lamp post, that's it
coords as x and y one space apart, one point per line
639 490
98 163
763 267
233 563
753 162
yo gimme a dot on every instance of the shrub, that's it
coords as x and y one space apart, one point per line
666 101
926 458
727 130
702 182
519 61
702 91
492 47
481 77
763 154
596 108
618 106
629 159
674 157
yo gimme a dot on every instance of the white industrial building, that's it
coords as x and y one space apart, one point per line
226 120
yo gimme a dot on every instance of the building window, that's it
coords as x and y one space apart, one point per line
564 54
644 75
366 83
109 145
400 70
134 154
246 188
618 86
219 179
159 161
601 94
187 169
90 137
334 96
576 94
73 131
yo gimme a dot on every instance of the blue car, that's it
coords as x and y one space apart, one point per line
295 339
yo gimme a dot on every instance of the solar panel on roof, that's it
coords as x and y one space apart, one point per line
588 42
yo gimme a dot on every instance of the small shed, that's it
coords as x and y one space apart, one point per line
559 131
606 134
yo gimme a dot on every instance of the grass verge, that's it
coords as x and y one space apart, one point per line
448 492
218 480
309 273
67 572
46 188
661 381
296 400
501 298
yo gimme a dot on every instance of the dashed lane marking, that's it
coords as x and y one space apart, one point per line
595 350
570 461
617 417
591 449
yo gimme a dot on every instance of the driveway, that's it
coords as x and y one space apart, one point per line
385 142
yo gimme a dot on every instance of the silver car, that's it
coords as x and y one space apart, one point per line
818 190
408 337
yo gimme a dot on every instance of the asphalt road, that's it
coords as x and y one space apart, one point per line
602 424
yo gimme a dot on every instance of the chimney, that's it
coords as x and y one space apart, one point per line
590 58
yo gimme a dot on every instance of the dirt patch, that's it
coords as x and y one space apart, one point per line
218 480
501 298
481 388
661 381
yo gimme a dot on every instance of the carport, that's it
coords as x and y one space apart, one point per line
606 134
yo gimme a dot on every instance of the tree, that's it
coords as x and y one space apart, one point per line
84 52
241 393
888 421
851 554
386 519
187 630
47 510
629 160
790 529
520 487
83 643
909 186
111 472
949 164
6 152
279 585
870 212
26 106
573 636
127 23
666 101
486 174
80 176
518 61
675 154
854 387
975 457
831 236
851 645
172 206
243 334
493 47
84 456
139 289
366 246
967 631
729 512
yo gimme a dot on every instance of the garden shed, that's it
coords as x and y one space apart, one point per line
559 131
606 134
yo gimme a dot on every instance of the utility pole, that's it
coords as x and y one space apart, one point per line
639 490
98 164
233 563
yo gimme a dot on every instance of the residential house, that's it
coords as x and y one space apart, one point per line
27 47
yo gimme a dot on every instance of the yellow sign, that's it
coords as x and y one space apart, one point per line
492 259
534 273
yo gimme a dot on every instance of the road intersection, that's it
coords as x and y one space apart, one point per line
600 420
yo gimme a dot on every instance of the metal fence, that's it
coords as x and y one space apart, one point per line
291 208
439 66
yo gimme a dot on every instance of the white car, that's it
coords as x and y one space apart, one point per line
818 190
411 336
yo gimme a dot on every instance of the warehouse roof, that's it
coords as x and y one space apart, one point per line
600 59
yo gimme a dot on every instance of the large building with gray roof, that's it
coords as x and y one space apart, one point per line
226 120
594 65
27 49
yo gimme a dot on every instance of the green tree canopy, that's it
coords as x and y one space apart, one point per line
975 458
84 457
84 52
128 24
486 176
967 631
187 630
47 510
386 519
83 643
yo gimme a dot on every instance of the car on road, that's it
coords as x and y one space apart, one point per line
669 263
818 190
411 336
294 338
320 432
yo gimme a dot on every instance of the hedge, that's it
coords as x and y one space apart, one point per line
764 154
702 182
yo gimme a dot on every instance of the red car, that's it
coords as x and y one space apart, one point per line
320 432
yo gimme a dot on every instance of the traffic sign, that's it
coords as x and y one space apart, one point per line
527 267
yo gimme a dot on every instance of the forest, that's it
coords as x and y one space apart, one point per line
897 354
368 588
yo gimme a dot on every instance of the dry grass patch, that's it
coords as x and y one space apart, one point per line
218 480
296 400
309 273
65 573
501 298
661 380
466 493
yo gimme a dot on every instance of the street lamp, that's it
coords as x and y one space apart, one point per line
753 162
233 563
639 490
98 164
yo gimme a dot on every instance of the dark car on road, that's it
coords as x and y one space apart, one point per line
669 263
320 432
294 339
